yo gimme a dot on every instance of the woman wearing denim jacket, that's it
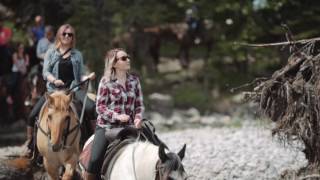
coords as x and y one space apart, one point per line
63 68
119 102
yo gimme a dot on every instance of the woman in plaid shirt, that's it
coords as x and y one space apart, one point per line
119 102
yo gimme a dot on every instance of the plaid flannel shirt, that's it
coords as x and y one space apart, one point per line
113 99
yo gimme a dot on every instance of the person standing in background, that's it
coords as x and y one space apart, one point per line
5 37
38 30
45 43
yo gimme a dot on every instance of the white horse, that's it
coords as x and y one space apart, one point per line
145 161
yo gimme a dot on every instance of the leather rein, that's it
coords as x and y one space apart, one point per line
65 135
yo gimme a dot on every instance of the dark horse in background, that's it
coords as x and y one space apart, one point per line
146 42
5 107
13 109
24 95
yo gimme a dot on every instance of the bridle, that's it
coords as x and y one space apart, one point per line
65 134
68 131
159 172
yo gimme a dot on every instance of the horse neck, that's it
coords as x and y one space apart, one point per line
146 157
146 151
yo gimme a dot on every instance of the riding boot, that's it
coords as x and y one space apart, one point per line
27 146
89 176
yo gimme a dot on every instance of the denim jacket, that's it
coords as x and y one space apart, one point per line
51 66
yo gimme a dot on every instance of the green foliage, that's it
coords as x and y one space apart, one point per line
91 33
257 21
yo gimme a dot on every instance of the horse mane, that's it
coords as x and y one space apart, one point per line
61 101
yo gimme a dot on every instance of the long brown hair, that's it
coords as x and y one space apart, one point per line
60 32
110 60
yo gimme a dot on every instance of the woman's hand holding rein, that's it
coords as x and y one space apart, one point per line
58 82
122 117
138 123
125 118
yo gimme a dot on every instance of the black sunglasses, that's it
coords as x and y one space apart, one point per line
67 34
124 58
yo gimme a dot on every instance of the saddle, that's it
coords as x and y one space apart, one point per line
118 138
115 136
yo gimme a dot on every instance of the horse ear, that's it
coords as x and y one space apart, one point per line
48 98
162 154
182 152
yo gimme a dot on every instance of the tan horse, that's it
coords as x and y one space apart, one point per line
58 135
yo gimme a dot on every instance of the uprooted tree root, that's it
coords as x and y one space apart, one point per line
291 98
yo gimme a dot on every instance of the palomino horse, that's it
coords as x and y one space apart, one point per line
58 135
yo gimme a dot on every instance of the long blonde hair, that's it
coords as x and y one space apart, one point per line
110 60
60 32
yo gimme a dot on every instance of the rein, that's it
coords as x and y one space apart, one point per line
66 133
133 151
77 85
159 174
158 170
158 166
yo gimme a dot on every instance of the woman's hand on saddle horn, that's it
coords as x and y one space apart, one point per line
138 123
123 117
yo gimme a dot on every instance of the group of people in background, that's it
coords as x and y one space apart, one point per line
20 61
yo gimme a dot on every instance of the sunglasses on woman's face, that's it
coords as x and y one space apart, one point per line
124 58
67 34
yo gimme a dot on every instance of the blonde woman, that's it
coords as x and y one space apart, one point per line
119 103
62 69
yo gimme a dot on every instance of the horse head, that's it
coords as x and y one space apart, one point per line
170 166
59 117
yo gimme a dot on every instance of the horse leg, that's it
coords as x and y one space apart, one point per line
70 166
154 51
51 168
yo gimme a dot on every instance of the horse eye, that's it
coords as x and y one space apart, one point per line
49 116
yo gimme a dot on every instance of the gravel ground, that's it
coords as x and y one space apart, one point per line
244 153
247 152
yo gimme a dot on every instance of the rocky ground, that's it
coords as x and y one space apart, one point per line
232 145
248 152
243 151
